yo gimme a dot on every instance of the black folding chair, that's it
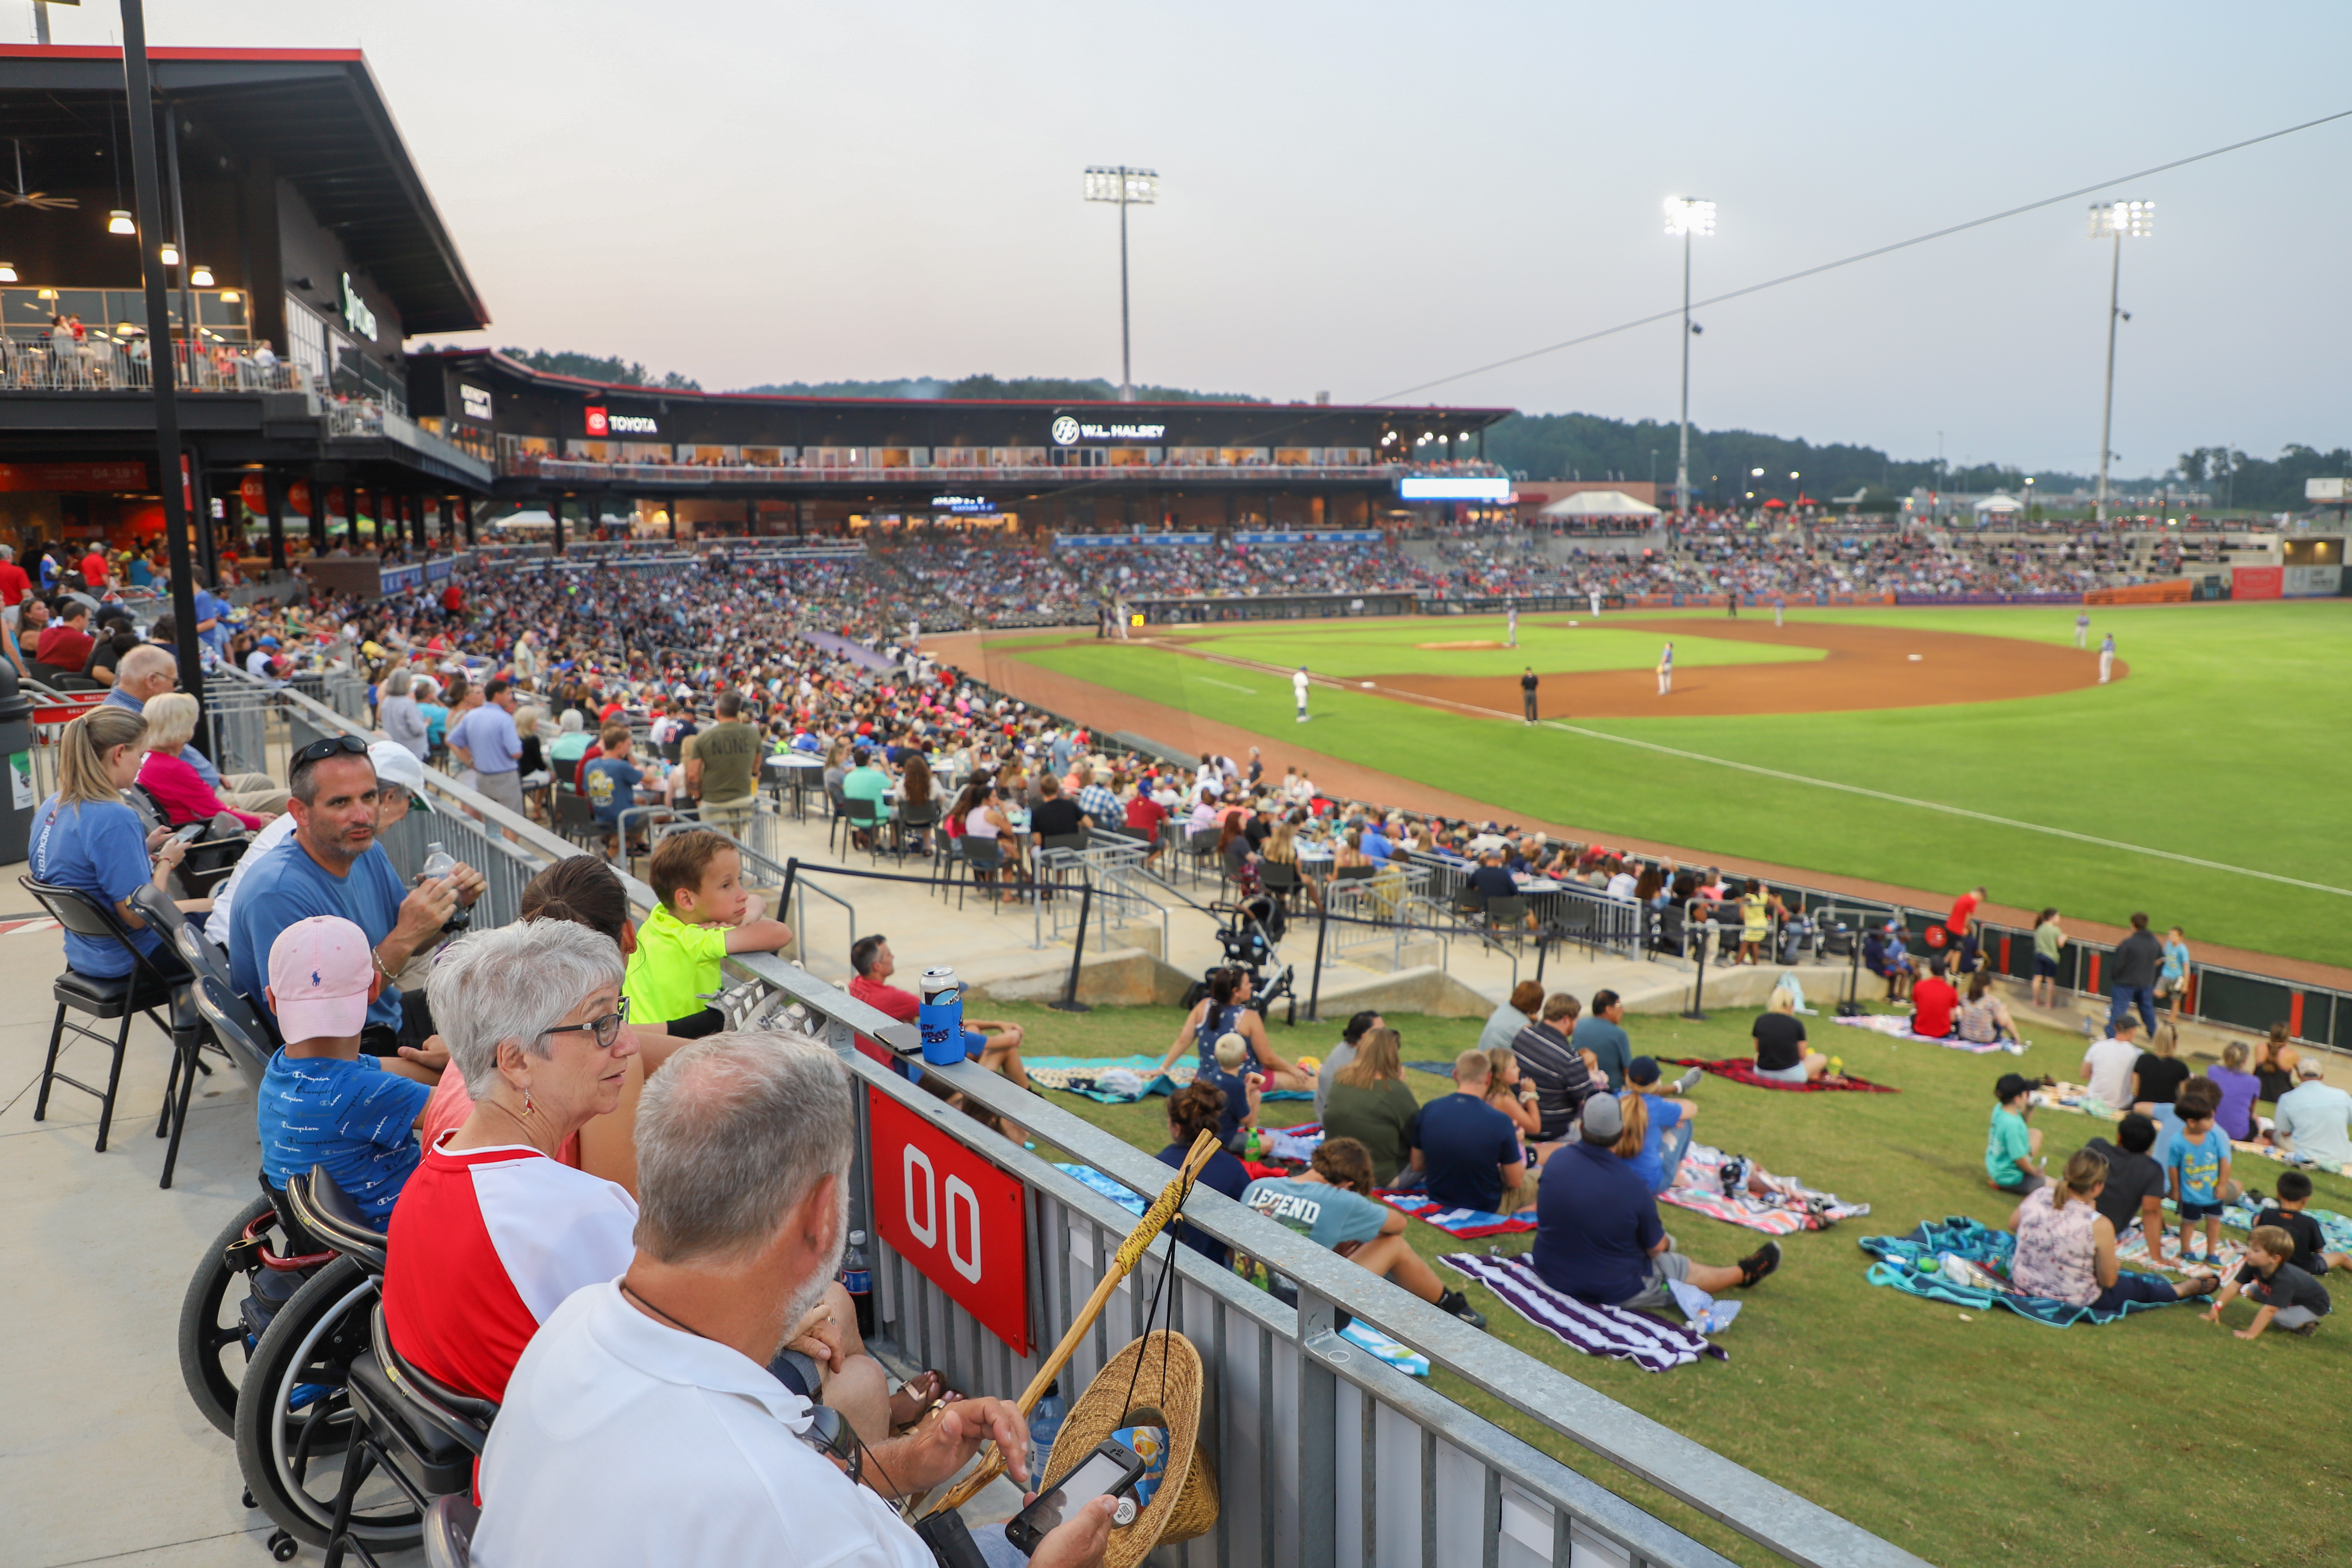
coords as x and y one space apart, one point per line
982 858
149 986
923 818
238 1028
864 817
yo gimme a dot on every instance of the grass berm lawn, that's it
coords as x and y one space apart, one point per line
2222 744
1976 1440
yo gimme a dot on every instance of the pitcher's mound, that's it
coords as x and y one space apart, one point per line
1456 647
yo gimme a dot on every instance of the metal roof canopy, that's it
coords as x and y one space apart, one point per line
319 118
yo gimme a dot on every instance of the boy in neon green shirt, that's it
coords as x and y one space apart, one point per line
705 913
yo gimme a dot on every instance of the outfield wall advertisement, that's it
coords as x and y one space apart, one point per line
2171 590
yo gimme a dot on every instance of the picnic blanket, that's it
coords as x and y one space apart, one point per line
1785 1207
1966 1263
2269 1152
1122 1080
1443 1069
1469 1225
1742 1069
1293 1143
1087 1175
1897 1027
2074 1096
2131 1251
1650 1342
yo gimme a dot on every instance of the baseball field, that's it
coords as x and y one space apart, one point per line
1933 749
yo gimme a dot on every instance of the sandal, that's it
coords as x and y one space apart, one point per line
917 1396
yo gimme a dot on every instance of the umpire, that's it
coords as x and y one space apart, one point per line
1528 693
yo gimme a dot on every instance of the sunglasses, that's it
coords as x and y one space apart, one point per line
606 1029
326 746
829 1434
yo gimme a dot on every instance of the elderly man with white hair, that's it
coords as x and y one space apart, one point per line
744 1143
2315 1119
149 670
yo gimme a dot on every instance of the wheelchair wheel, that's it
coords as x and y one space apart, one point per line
214 1338
294 1420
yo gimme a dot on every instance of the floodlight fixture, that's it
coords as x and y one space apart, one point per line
1687 215
2123 220
170 254
201 277
1127 188
119 222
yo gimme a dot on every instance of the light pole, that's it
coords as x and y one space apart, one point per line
1687 217
2115 221
1127 187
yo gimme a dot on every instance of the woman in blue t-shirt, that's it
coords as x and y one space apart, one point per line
85 837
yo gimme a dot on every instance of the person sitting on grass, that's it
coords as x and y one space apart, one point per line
1372 1104
2066 1246
2012 1150
1468 1152
1781 1056
2237 1086
2108 1064
2198 1161
1196 1109
2158 1075
2315 1119
1665 1126
2136 1184
1934 1001
1330 1204
1883 954
321 1102
1515 1096
1984 1017
1561 1075
1340 1055
705 913
994 1043
2285 1294
1598 1236
2311 1254
1225 1010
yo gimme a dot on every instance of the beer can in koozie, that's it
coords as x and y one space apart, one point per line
939 1016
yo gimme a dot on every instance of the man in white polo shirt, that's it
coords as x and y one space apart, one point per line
743 1152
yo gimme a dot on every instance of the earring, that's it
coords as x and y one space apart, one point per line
526 1103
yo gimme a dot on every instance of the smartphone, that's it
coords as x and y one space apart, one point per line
1111 1470
191 833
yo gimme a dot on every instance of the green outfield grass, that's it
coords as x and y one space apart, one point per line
2225 744
1976 1440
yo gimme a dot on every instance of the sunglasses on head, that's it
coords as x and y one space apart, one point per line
326 746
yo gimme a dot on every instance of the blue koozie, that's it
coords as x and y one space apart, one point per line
939 1017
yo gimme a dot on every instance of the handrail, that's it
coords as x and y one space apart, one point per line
1764 1512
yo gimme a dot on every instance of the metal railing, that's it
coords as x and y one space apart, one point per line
686 476
1121 894
109 365
1324 1454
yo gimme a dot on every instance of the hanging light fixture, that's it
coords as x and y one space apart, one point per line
202 277
229 296
170 254
7 272
119 222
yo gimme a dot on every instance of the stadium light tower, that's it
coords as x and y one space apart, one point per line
2116 221
1127 187
1687 217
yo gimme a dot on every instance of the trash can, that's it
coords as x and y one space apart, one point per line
16 749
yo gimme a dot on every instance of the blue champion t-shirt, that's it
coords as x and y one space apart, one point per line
1464 1144
286 886
100 847
351 1117
1595 1224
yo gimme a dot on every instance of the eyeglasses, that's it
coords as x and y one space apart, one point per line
326 746
830 1434
606 1029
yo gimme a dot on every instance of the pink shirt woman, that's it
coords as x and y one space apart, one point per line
171 778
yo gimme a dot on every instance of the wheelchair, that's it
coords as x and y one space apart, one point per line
340 1443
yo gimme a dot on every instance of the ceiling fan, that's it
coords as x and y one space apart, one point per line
20 198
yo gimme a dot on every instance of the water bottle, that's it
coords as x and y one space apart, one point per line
1044 1424
857 1278
439 863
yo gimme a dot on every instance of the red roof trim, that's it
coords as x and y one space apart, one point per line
113 52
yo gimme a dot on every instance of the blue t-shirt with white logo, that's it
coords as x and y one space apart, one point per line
353 1117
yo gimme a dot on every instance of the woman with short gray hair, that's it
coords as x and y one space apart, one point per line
399 717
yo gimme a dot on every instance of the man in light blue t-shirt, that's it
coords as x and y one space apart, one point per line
1327 1203
2315 1119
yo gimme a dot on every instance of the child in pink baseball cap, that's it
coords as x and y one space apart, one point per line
322 1103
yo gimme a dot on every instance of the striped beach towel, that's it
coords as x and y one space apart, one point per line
1789 1207
1469 1224
1650 1343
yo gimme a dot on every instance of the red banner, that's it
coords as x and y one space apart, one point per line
297 497
952 1215
2257 582
2173 591
119 477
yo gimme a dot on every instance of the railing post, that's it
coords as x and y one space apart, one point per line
1315 982
1698 980
1069 1002
1318 1434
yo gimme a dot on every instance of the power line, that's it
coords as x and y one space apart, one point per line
1867 256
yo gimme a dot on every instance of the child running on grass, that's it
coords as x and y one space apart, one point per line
2285 1294
2198 1161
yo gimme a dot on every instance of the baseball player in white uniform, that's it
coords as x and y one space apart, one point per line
1666 671
2082 628
2107 658
1512 620
1298 686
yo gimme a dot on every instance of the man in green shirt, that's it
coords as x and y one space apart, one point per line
867 783
722 767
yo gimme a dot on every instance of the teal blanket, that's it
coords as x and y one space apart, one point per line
1120 1080
1899 1258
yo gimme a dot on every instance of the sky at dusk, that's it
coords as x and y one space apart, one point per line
1360 198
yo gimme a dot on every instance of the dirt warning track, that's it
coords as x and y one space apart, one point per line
1863 667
